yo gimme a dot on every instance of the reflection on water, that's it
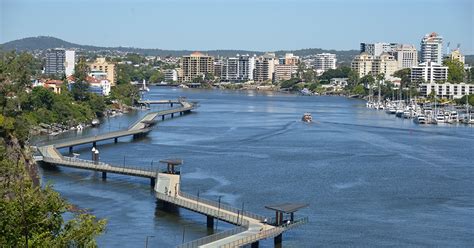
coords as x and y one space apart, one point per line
370 179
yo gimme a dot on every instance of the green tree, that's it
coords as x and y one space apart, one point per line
157 77
456 70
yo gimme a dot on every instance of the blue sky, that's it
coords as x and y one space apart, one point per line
263 25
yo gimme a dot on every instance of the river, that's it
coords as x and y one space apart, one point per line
370 179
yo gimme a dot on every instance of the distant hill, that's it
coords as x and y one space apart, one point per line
46 42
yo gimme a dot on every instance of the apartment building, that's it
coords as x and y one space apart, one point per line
284 72
59 61
101 64
365 64
362 64
406 56
457 55
431 48
447 90
171 75
385 64
429 72
265 67
324 62
196 64
289 59
376 49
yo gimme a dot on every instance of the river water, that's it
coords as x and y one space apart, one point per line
370 179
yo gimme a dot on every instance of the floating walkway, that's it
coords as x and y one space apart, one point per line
251 228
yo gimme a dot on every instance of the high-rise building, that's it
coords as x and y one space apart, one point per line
69 63
55 61
384 64
246 66
265 67
325 61
101 64
362 64
376 49
406 56
196 64
365 64
431 48
429 72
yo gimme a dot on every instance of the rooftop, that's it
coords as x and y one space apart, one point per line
287 207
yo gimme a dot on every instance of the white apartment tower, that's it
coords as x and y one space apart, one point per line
325 61
69 62
431 48
429 72
265 67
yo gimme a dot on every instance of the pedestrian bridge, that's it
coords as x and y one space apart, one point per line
250 227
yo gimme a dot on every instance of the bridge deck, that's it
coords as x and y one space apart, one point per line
251 226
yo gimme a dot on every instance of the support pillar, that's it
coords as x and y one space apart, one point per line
152 182
162 117
171 104
94 144
104 175
278 239
70 149
172 115
210 222
254 245
180 113
115 140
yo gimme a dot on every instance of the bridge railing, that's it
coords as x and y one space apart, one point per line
100 166
269 233
213 237
223 206
203 208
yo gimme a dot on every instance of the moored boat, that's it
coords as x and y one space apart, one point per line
307 117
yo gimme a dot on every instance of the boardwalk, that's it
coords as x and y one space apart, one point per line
251 227
51 155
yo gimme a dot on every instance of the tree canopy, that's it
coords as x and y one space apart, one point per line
456 70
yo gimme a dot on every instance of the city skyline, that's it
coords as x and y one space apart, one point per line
263 25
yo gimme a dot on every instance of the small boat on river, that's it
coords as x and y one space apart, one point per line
307 117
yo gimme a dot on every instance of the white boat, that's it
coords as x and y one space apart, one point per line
440 118
95 122
468 119
453 117
406 114
420 119
307 117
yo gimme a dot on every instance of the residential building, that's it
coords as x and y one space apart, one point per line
69 62
246 66
406 56
284 72
196 64
100 64
456 55
446 90
289 59
53 85
376 49
324 62
431 48
229 69
429 72
265 67
384 64
362 64
55 62
171 75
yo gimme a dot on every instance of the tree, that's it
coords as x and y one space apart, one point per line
367 80
81 70
157 77
456 70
